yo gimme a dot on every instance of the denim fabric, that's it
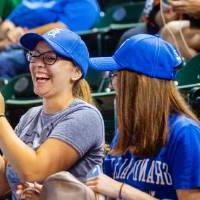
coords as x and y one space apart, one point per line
12 62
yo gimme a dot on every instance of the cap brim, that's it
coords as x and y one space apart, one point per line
30 40
104 64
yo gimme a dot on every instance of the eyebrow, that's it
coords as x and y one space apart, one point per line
50 51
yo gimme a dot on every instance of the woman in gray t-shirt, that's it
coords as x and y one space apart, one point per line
65 133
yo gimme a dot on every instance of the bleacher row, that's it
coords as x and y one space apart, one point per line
117 16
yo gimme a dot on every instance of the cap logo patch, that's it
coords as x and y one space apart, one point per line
53 33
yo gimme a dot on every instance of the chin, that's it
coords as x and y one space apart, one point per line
40 93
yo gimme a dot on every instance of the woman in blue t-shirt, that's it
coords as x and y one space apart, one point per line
156 152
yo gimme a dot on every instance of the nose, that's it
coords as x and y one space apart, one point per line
38 62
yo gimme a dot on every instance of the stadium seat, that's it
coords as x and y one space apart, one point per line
105 103
123 13
189 76
114 21
6 6
106 3
19 97
19 91
98 81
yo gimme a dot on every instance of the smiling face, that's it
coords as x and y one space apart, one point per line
55 79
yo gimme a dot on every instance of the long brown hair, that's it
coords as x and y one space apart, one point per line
143 108
81 90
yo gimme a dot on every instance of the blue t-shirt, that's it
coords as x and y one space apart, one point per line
177 166
77 15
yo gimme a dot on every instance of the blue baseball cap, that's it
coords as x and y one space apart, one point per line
64 42
145 54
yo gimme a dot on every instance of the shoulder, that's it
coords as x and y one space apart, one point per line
80 107
33 111
78 115
182 127
27 118
179 121
30 114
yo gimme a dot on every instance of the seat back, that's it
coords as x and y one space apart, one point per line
122 13
6 6
190 74
96 80
19 88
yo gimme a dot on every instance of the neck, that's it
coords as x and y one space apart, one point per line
56 104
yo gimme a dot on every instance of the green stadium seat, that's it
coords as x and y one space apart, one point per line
107 3
6 6
189 76
123 13
115 20
19 97
19 92
105 103
98 81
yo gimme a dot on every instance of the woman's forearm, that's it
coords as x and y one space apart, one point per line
4 187
130 193
47 27
111 188
22 157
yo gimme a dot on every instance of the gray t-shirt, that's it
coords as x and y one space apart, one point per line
80 125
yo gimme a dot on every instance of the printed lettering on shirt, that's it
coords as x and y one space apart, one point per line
150 173
144 170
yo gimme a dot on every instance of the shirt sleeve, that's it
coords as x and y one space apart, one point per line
80 15
82 130
186 159
16 12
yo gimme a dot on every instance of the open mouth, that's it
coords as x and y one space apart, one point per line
42 78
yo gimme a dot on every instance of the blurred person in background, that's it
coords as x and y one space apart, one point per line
185 31
40 16
152 19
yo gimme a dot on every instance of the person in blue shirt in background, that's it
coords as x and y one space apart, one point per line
41 16
156 152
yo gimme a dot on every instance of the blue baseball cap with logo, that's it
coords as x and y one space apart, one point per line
145 54
64 42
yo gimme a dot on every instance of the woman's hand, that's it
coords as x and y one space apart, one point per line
5 27
190 7
14 35
104 185
29 191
